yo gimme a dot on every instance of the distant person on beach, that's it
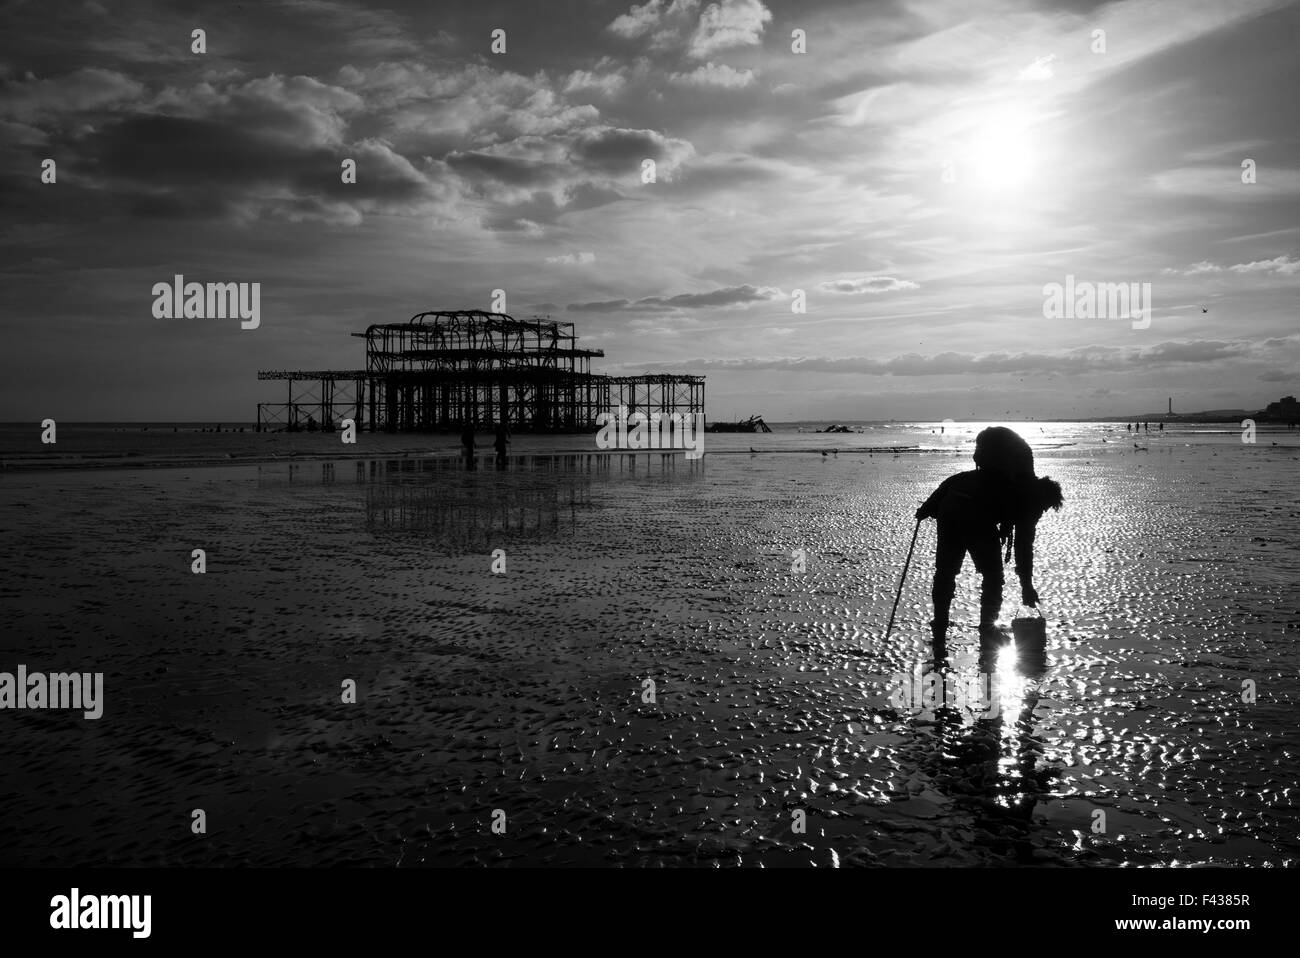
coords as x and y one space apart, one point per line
502 441
980 509
467 444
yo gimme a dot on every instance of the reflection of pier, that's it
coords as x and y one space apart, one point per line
518 497
441 500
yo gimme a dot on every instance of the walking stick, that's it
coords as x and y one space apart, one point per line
901 579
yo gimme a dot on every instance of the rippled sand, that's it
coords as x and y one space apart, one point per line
1169 579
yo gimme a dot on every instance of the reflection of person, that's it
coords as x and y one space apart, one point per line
467 444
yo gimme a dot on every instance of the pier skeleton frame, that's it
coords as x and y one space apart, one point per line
444 370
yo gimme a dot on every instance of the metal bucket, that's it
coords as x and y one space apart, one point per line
1029 630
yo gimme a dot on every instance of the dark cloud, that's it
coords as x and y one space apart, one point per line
589 196
612 306
504 169
729 296
708 177
619 152
185 152
360 28
166 165
542 208
90 88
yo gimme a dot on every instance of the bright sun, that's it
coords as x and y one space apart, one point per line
1002 150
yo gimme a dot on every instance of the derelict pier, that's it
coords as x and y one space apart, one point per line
450 369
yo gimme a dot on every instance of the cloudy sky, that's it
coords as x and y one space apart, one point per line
920 173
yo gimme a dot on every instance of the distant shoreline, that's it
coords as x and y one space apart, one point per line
1191 419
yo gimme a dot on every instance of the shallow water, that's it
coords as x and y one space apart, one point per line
1168 580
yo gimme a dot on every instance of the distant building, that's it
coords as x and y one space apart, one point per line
1284 408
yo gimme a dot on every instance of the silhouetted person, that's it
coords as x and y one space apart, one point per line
976 510
1004 452
502 441
1128 427
1162 427
969 507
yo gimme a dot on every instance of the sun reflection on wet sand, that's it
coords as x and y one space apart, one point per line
1169 582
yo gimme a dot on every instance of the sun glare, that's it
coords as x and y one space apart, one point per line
1002 150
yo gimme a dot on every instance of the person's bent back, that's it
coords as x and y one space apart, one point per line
1003 450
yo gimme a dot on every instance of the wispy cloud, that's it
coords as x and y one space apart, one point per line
870 284
1283 265
716 75
1040 69
572 259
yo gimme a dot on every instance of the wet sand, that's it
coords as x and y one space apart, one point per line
1168 579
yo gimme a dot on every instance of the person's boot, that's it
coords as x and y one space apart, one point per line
992 641
990 607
